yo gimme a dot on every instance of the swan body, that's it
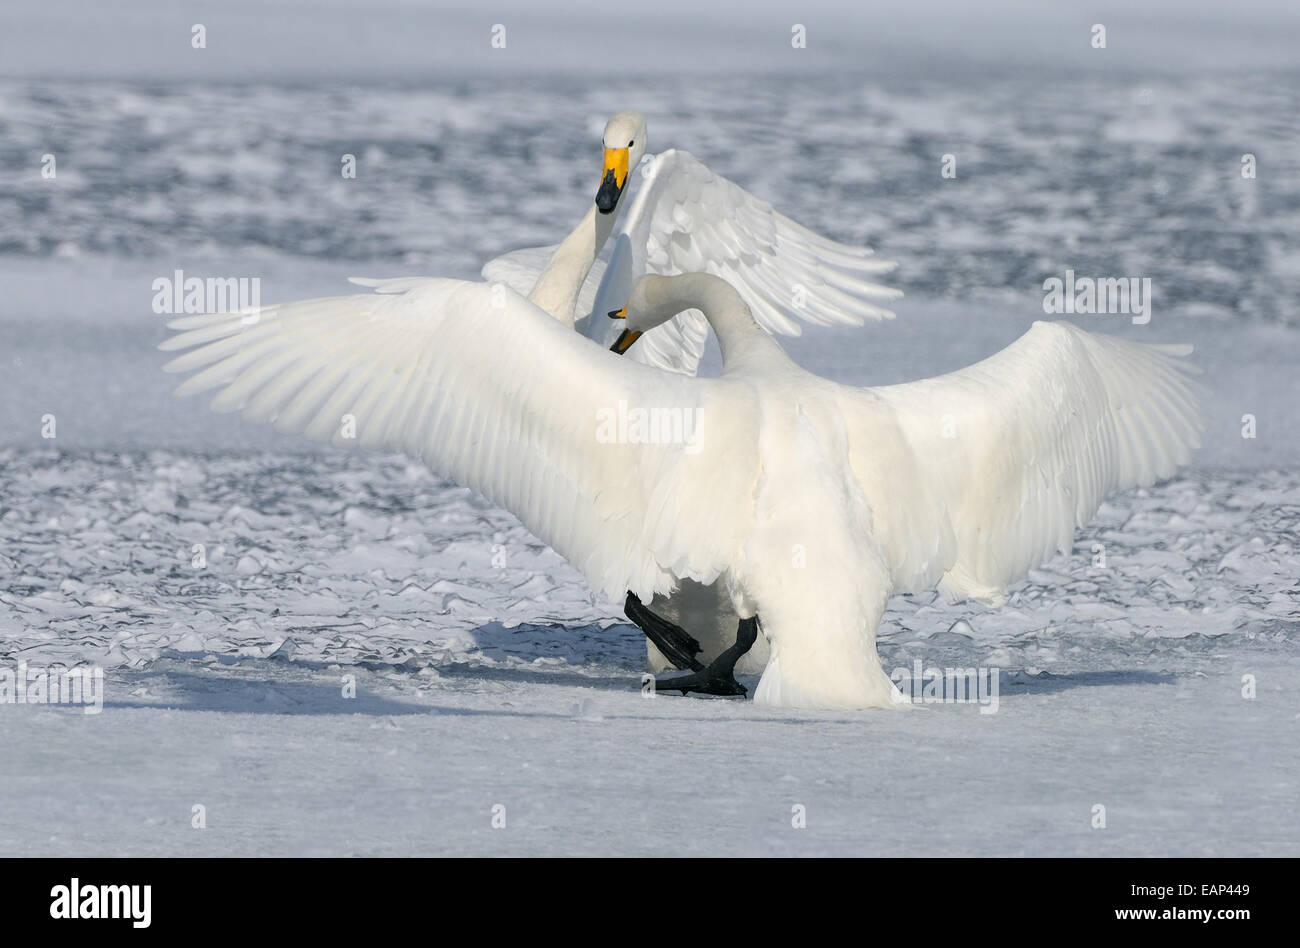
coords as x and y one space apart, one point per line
806 502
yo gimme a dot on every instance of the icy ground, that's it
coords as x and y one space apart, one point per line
487 675
479 685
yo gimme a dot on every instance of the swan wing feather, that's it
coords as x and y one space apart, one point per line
490 391
685 218
995 465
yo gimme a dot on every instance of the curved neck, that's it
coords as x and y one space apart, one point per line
738 334
559 284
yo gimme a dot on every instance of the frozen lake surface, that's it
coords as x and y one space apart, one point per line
231 582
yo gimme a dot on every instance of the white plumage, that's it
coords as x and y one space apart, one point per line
966 480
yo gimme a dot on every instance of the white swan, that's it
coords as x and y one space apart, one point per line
811 502
683 217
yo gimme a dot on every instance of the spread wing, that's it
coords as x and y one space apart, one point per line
1017 451
490 391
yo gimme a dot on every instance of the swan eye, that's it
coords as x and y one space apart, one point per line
630 144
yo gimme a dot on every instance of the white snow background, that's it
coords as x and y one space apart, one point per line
478 685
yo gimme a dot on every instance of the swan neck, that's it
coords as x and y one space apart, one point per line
722 306
559 284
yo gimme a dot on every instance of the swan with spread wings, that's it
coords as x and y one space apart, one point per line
965 481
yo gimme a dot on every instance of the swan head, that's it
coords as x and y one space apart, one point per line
625 141
640 313
656 299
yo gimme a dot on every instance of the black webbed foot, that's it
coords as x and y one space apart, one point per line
676 644
719 677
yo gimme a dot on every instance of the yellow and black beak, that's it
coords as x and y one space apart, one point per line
612 180
626 337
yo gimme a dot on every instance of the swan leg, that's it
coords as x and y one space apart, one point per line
676 644
708 611
719 677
